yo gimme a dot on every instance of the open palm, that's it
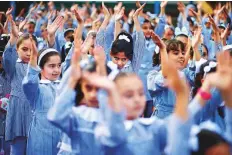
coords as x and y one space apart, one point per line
52 28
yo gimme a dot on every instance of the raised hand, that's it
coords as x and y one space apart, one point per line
211 20
78 17
9 11
222 79
224 34
75 75
131 13
14 29
105 11
197 37
34 53
117 7
220 10
33 8
137 12
163 4
156 39
120 14
181 7
95 24
174 80
99 81
52 28
99 54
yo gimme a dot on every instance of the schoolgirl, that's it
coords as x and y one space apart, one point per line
208 137
42 137
15 62
137 135
163 98
78 122
125 51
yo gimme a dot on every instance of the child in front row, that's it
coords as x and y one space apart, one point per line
41 92
134 135
15 63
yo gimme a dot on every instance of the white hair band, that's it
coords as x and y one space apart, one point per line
46 52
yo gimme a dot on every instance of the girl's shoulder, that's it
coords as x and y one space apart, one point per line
156 76
87 114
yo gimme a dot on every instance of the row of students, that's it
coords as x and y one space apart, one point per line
32 97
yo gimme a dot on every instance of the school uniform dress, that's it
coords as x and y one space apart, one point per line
4 84
43 137
138 50
210 111
147 65
142 136
164 98
77 122
19 112
194 108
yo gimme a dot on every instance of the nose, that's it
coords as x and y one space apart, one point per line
57 69
28 53
120 63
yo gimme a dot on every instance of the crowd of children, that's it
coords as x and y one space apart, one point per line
87 80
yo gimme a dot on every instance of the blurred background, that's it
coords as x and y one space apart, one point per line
152 6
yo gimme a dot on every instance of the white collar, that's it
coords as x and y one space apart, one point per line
19 60
145 121
48 81
87 113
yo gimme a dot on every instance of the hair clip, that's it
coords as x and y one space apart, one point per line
124 37
212 64
68 45
182 31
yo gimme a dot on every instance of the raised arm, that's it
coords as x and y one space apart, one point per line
61 114
52 28
195 44
112 113
163 52
180 123
31 80
139 42
118 16
10 55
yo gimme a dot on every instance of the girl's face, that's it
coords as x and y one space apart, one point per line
132 95
120 59
146 29
168 34
177 57
52 68
24 50
90 94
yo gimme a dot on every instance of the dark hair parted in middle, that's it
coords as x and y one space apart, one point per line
23 37
171 45
123 43
46 57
